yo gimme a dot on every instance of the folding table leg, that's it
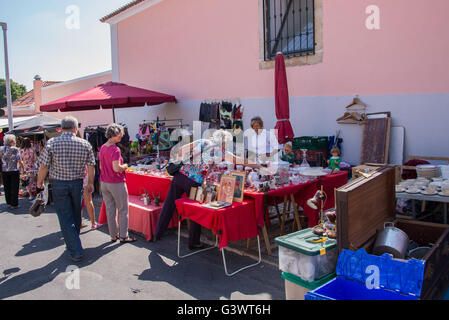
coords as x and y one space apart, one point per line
275 204
192 253
295 210
251 265
445 213
284 211
267 240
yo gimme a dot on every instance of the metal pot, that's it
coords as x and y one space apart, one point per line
391 240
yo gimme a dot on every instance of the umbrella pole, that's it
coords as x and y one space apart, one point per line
113 115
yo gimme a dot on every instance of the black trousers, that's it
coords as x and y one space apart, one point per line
11 180
180 184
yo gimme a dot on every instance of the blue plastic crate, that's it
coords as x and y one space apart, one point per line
398 279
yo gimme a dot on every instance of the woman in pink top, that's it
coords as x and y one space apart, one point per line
113 186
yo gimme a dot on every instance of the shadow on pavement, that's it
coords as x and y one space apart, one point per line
45 243
34 279
204 280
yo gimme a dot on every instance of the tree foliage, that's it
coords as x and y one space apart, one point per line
17 90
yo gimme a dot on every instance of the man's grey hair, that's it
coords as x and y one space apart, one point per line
69 123
114 130
9 139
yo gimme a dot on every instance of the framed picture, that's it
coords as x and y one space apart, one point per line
209 197
239 185
227 185
199 195
192 195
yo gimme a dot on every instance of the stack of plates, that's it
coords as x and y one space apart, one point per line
428 171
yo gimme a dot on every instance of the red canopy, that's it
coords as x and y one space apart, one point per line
109 95
285 130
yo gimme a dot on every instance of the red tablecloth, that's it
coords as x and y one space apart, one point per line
232 223
302 192
153 184
141 218
135 183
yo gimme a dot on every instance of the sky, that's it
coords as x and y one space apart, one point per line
57 39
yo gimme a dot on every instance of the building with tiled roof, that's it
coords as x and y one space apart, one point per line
29 103
122 9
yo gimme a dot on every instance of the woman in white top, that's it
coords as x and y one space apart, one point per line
263 145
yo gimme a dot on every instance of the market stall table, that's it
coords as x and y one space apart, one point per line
298 195
422 197
153 184
143 219
231 223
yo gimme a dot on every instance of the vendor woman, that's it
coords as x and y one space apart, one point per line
183 180
263 145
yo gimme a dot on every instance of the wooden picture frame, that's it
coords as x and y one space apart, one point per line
208 198
227 186
192 195
239 185
199 195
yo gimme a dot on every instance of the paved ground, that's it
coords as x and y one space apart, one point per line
33 265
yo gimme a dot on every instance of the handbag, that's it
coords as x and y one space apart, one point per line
38 206
173 167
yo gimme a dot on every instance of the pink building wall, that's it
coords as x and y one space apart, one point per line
201 49
209 49
85 118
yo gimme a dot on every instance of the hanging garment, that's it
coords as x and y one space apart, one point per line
205 112
237 113
226 115
214 124
226 110
214 111
225 123
144 130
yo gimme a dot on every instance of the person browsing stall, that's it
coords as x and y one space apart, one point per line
113 184
65 159
11 163
28 156
205 154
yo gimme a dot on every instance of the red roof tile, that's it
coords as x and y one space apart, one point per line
28 98
121 9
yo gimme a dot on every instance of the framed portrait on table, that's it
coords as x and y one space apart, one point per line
199 195
192 195
239 185
209 196
227 186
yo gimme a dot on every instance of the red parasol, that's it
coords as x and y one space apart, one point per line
109 95
285 130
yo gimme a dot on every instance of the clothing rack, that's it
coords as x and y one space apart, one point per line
95 126
162 120
233 101
179 125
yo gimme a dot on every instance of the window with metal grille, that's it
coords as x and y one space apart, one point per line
289 27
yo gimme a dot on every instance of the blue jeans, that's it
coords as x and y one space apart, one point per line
67 198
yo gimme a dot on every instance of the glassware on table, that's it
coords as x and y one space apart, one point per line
304 162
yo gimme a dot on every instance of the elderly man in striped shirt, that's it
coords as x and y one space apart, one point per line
65 159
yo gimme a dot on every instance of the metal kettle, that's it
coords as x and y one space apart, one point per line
391 240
